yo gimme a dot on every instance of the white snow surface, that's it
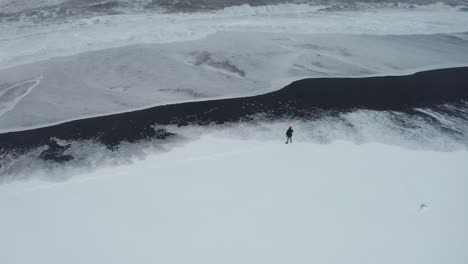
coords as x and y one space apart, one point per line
225 64
227 200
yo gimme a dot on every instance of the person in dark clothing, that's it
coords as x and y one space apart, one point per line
289 133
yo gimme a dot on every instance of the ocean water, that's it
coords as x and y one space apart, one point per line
60 10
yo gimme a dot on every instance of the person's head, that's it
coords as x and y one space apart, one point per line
290 127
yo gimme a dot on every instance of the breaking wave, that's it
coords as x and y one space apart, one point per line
46 11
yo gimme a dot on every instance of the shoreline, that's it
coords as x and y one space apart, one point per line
307 98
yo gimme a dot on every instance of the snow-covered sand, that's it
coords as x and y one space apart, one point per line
226 200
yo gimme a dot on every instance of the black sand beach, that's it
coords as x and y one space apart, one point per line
308 98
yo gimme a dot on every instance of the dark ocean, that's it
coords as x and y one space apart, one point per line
45 11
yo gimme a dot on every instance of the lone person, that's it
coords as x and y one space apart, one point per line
289 133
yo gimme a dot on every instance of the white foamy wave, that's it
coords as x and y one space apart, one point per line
279 9
23 42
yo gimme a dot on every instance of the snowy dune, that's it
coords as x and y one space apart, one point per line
225 200
228 64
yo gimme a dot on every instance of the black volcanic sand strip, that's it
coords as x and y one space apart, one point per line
301 99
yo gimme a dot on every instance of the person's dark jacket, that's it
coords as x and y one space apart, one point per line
289 132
